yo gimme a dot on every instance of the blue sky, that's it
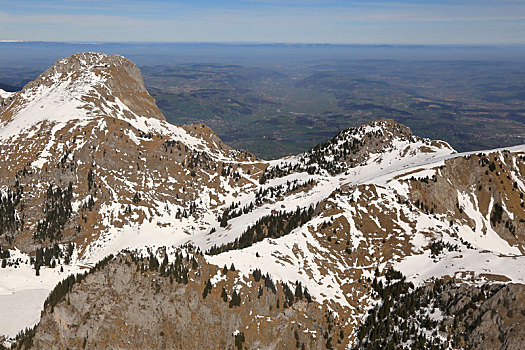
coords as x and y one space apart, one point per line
290 21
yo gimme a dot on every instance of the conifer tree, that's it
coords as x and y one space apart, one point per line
235 300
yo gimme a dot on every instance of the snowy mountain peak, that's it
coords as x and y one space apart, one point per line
384 142
383 125
115 72
81 87
378 135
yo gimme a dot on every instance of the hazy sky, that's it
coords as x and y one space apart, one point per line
294 21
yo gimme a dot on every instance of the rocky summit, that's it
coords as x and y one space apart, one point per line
119 230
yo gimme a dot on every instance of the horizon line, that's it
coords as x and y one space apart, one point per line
261 43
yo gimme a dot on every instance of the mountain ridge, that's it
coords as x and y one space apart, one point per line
112 179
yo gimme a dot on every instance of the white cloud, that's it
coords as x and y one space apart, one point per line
388 22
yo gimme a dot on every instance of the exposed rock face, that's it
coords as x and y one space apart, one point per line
501 320
486 191
120 307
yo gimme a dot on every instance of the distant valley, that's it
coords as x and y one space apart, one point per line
275 101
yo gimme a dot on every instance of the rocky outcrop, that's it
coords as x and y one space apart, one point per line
127 304
490 184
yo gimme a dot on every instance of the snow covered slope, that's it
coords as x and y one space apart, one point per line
90 164
5 94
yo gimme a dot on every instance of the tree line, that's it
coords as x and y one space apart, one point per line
271 226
